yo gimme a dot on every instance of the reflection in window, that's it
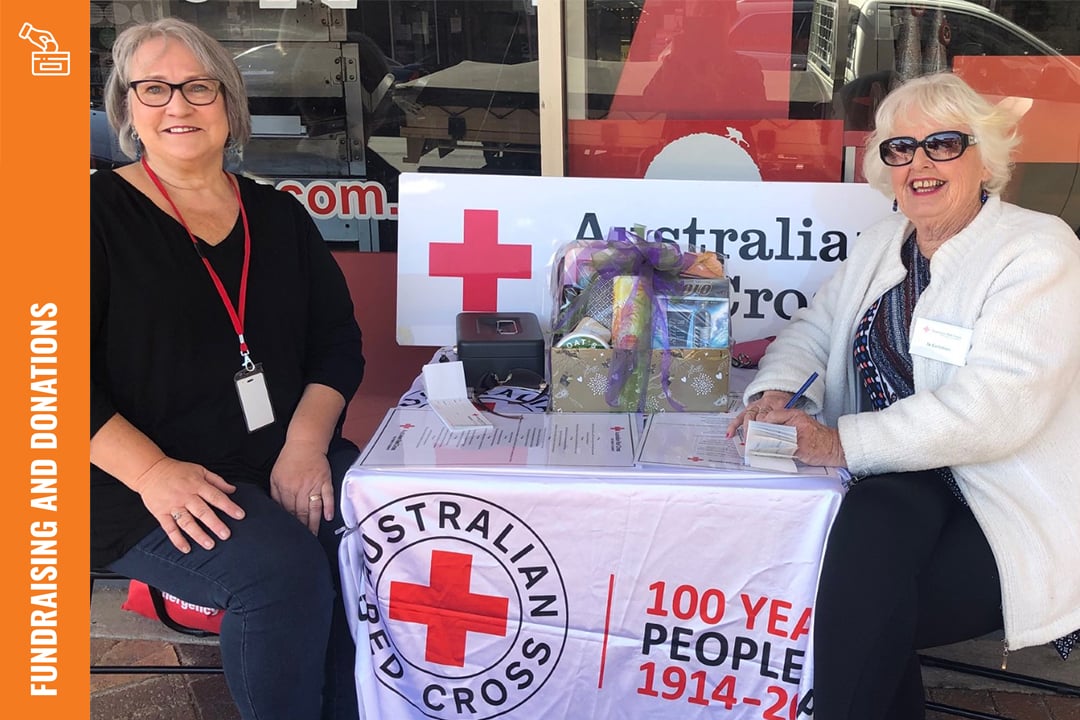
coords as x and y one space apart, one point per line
697 90
360 94
787 89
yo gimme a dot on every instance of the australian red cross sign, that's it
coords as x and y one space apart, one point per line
490 243
484 630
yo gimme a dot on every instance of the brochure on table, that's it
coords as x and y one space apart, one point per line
410 436
768 446
449 398
699 440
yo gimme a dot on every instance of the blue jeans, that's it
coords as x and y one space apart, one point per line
285 644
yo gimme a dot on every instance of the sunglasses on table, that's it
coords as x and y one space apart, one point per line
939 147
519 378
524 379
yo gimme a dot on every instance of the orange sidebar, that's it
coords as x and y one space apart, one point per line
44 154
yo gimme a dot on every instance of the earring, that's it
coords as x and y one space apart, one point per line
983 196
895 205
134 136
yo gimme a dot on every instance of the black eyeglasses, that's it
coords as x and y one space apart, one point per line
158 93
940 147
519 378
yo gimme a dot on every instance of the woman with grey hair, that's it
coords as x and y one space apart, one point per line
224 349
949 394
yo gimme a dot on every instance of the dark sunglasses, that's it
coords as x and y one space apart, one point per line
518 378
940 147
742 360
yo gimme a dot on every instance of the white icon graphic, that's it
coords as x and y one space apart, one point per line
50 61
704 156
735 135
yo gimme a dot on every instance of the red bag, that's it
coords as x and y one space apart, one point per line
182 613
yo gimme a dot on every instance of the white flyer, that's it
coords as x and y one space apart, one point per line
416 436
449 398
699 440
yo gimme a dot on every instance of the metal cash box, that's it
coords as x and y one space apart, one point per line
498 343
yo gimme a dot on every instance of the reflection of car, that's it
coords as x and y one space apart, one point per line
758 19
962 28
861 49
867 46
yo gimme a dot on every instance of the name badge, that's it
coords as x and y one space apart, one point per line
940 341
254 398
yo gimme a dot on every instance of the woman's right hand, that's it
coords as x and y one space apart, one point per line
182 496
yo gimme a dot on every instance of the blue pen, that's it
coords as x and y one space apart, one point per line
799 393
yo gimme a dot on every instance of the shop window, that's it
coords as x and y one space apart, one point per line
344 100
787 89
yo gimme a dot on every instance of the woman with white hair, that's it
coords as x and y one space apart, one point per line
224 350
950 370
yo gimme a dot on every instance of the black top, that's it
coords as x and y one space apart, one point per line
163 352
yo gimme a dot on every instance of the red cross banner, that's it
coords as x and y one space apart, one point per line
488 243
618 595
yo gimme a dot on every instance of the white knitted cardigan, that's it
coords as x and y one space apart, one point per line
1007 422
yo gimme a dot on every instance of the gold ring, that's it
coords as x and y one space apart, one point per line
314 498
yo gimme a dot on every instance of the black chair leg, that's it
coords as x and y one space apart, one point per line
1051 686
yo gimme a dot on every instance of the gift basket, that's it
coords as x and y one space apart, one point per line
639 326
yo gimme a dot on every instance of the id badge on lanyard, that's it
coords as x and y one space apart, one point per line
250 381
254 397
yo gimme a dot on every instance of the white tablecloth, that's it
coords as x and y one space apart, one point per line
542 593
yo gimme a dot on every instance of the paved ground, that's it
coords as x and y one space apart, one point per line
990 696
119 638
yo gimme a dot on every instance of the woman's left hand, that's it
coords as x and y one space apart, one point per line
300 483
769 400
817 444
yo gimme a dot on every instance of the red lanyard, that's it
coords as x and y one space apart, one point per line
236 317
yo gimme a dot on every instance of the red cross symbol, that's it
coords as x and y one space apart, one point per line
407 426
448 608
480 261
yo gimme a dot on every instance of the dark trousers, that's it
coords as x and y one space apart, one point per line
285 643
906 567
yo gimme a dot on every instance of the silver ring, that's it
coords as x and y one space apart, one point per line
177 515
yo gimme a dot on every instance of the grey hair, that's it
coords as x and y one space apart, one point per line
945 99
214 58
